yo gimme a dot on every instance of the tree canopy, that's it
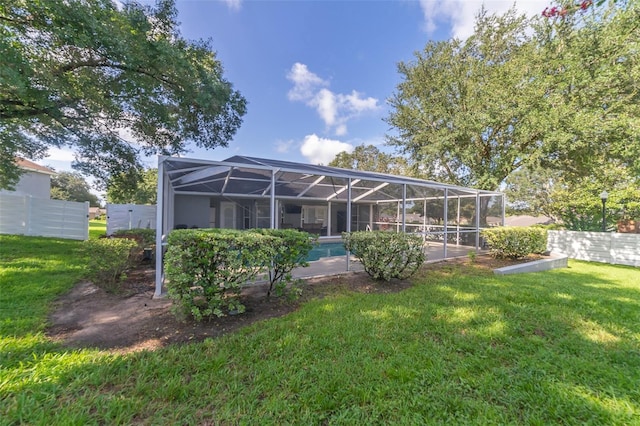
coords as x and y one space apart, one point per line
467 112
110 80
71 186
593 89
519 93
143 191
576 201
369 158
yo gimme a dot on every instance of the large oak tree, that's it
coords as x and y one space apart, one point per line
562 93
110 80
468 112
592 68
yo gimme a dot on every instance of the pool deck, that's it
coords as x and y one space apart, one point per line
338 265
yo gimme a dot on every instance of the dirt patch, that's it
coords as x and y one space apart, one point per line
132 320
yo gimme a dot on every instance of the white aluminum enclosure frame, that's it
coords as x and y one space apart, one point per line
274 183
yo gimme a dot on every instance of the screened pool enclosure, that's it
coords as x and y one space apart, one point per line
244 192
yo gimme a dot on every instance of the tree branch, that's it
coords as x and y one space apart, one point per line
105 63
20 109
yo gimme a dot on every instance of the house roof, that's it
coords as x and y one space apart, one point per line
33 167
242 176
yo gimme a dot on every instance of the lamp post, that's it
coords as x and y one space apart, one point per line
603 197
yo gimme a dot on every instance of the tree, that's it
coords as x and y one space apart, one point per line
560 94
71 186
111 80
370 158
529 191
575 202
593 89
467 111
143 191
593 139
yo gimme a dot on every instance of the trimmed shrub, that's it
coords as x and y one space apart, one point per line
146 236
386 255
206 268
291 249
107 260
515 242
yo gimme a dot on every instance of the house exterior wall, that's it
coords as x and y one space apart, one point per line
192 210
35 184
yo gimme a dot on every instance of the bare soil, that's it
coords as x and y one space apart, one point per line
131 320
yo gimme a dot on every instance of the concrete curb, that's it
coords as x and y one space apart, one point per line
555 261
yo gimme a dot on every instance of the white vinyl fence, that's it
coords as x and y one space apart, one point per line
606 247
129 216
26 215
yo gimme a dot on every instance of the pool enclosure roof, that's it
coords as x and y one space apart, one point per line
249 177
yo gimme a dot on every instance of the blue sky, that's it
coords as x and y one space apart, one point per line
316 74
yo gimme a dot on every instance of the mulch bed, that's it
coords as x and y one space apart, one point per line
131 320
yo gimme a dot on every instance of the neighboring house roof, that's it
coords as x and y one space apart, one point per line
525 220
494 221
33 167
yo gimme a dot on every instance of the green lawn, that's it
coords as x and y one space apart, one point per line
97 228
461 346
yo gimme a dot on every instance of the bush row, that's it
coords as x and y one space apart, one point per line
515 242
205 268
386 255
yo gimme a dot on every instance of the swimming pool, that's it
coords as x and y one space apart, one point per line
326 250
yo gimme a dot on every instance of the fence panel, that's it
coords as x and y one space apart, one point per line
43 217
625 249
129 216
13 213
606 247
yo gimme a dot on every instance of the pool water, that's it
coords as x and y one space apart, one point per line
326 250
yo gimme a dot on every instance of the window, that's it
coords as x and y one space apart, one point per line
314 214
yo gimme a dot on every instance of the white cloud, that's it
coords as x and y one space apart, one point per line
341 130
284 146
320 150
460 14
305 83
325 103
335 109
233 4
357 104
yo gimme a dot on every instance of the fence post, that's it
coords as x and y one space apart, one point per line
86 228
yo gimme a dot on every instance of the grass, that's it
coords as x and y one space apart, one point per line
461 346
97 228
